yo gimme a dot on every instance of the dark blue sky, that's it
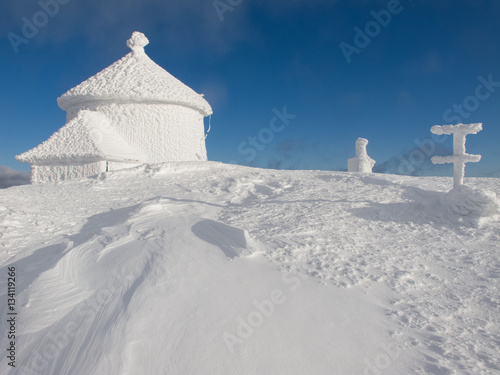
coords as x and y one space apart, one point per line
429 64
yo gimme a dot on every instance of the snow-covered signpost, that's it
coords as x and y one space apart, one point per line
459 157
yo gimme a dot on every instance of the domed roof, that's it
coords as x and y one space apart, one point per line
135 78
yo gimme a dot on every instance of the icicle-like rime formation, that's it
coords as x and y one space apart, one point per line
459 157
137 42
469 205
362 162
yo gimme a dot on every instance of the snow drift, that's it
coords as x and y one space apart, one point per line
198 268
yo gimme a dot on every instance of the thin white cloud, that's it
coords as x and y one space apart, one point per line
10 177
187 24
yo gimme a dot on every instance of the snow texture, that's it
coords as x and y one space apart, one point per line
88 137
362 162
44 173
460 157
130 113
206 268
135 78
469 205
162 132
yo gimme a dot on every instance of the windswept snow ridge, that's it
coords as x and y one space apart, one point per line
206 268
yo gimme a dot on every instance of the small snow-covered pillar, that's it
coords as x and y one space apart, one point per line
459 157
362 162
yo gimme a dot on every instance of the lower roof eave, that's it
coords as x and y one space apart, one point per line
79 161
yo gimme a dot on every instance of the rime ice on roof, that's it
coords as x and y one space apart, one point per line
88 137
135 78
130 113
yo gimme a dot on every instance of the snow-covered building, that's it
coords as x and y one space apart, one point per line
132 112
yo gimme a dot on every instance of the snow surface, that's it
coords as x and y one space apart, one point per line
206 268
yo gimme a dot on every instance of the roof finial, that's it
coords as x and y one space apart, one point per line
137 42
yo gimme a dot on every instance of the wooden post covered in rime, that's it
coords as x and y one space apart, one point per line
362 162
459 157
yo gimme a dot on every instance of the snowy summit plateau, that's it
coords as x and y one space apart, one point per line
194 268
132 112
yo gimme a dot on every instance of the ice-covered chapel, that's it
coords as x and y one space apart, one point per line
132 112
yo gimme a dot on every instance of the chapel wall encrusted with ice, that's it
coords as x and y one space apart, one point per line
132 112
